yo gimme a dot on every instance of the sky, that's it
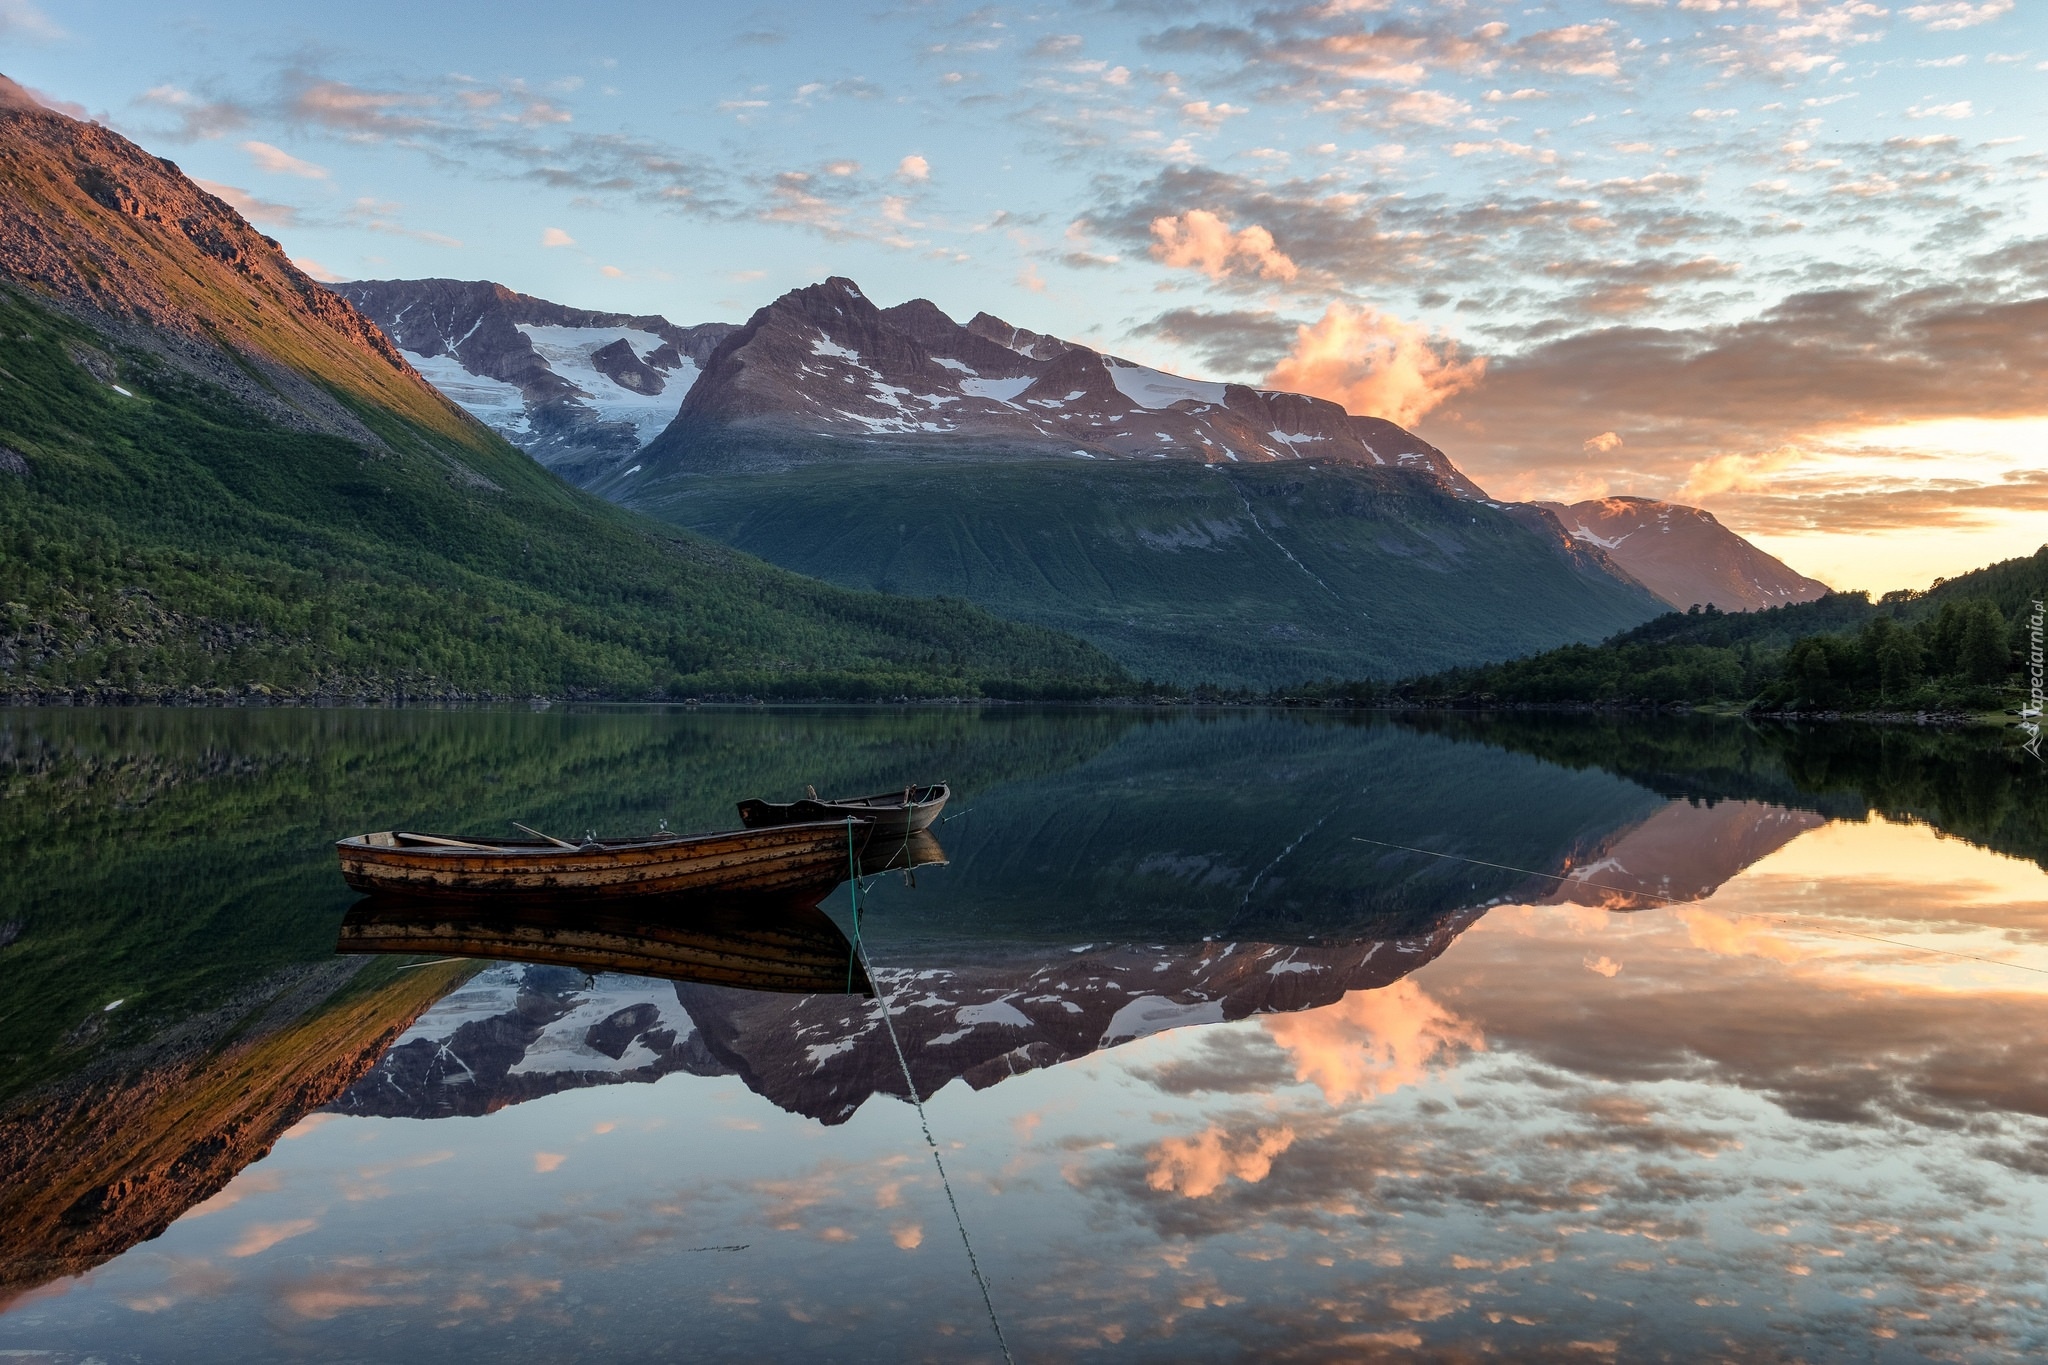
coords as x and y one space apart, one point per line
1783 259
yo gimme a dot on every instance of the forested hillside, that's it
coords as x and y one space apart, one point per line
1958 646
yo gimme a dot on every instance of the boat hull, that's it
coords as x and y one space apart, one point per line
888 813
790 862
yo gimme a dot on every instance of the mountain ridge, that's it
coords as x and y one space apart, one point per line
1684 554
578 402
221 479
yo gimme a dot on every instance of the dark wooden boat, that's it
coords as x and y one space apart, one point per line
754 944
798 862
893 814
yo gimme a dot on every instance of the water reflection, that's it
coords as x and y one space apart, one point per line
1736 1052
754 943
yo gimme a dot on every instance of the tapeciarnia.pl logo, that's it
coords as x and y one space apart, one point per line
2030 715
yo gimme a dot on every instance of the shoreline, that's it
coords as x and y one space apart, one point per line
260 697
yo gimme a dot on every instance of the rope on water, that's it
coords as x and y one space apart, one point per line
867 967
1674 900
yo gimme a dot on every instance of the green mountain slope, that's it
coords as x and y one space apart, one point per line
215 475
1249 575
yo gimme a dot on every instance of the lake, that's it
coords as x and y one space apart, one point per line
1240 1034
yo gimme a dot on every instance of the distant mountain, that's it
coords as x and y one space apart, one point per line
575 389
217 475
824 364
1684 555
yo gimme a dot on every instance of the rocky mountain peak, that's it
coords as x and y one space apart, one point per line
1684 554
821 371
580 390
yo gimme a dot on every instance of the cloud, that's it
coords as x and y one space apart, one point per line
554 236
261 1237
278 162
1375 365
1197 1167
1200 240
199 119
379 215
317 270
1736 409
1228 342
543 1162
914 168
1605 442
1957 13
1372 1042
23 22
261 212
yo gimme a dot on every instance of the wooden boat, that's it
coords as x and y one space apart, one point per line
750 943
798 862
893 814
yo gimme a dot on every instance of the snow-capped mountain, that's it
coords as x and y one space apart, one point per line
578 390
1684 555
823 365
584 392
515 1033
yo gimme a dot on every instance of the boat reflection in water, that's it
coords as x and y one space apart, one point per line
758 941
770 945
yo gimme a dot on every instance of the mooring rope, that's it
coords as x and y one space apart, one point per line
867 967
1674 900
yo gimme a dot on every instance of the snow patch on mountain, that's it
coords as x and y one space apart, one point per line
1150 388
498 405
568 352
1001 390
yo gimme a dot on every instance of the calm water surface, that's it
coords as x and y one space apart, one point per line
1708 1041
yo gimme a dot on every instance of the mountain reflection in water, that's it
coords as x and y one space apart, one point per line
1749 1062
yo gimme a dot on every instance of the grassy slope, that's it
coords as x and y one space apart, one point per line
1737 656
177 539
1181 572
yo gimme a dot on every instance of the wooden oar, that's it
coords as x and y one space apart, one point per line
438 842
544 838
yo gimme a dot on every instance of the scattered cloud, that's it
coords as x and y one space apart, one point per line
1958 13
914 168
23 22
199 119
261 212
280 162
1199 240
317 270
1375 365
554 236
261 1237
